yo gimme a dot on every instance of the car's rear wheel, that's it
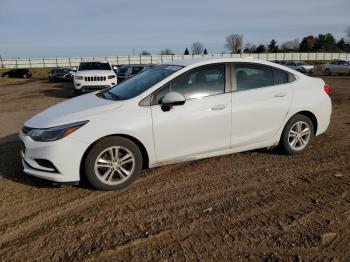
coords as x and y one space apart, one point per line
113 163
327 72
297 135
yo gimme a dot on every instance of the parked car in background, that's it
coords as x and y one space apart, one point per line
91 76
339 67
280 62
17 73
300 66
179 111
125 72
60 74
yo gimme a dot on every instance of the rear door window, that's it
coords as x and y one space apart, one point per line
280 77
251 76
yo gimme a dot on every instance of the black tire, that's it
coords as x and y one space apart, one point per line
77 92
101 146
285 143
327 72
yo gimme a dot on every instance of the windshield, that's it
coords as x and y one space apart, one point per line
136 85
94 66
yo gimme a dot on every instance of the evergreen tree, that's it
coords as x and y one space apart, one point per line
273 47
260 49
186 51
205 52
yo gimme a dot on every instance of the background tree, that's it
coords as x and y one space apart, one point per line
273 47
292 45
234 43
205 52
249 48
186 51
308 44
342 45
260 49
325 42
166 51
145 53
197 48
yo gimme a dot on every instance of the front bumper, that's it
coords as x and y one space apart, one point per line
65 155
86 86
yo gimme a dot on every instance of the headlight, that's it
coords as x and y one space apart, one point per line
111 77
78 77
54 133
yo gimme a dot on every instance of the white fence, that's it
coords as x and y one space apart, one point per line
156 59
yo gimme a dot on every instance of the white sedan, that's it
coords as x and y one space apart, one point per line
174 112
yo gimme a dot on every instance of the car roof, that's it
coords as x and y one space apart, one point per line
211 60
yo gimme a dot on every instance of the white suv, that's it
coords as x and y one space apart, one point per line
92 76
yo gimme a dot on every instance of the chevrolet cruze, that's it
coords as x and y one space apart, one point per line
174 112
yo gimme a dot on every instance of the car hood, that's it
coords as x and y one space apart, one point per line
95 72
73 110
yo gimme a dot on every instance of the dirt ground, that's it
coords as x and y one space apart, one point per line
258 205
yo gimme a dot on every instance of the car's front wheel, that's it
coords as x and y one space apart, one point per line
113 163
297 134
327 72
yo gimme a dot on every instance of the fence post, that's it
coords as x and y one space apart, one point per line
331 56
56 62
308 56
129 59
117 60
16 63
324 55
2 64
44 62
70 64
140 60
30 63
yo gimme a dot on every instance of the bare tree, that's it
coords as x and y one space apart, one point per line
197 48
249 48
166 51
291 45
145 53
234 43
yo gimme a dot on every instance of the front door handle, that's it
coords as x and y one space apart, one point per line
218 107
280 95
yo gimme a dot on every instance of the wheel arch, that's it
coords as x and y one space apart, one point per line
145 156
310 115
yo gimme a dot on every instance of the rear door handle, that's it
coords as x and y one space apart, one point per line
218 107
280 95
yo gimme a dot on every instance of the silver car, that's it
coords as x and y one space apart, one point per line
300 66
337 67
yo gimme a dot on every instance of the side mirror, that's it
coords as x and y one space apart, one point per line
172 99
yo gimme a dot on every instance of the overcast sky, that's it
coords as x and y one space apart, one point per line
120 27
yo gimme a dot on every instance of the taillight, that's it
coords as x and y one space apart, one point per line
327 89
